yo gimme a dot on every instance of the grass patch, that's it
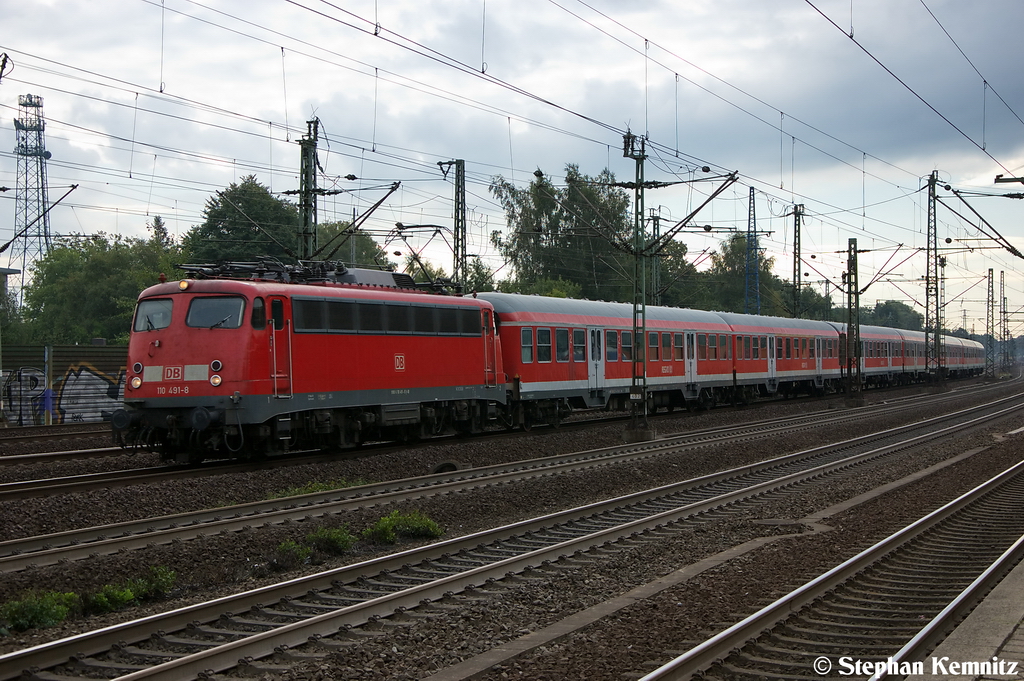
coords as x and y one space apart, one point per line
332 541
413 525
290 554
39 610
50 608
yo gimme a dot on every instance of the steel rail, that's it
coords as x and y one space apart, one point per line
719 646
92 643
938 628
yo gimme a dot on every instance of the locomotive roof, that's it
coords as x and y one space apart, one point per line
316 290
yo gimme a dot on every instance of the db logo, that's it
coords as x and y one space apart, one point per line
173 373
399 362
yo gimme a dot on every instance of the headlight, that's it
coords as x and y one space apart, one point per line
137 367
215 380
183 284
136 382
216 365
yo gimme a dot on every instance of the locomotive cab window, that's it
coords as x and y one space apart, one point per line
219 312
153 314
258 317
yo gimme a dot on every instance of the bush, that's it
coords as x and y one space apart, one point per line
290 554
39 610
108 599
333 542
412 525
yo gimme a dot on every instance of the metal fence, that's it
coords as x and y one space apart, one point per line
61 383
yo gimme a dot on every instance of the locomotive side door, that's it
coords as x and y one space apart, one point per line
280 348
595 365
490 374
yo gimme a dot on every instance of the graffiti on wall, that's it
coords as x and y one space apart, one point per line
82 394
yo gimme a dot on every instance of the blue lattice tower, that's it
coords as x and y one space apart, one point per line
31 222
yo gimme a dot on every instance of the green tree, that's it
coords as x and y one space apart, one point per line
554 288
86 287
353 247
568 232
895 314
422 270
479 277
242 223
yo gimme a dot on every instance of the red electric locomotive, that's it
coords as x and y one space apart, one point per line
246 367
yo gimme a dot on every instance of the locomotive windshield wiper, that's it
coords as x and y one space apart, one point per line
149 324
214 326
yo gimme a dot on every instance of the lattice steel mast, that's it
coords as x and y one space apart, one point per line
31 222
752 297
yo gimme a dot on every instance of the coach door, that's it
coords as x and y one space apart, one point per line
490 360
595 363
280 349
772 379
691 357
817 356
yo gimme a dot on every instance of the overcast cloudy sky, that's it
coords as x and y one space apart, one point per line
153 105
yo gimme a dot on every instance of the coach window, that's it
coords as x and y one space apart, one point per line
702 346
803 348
611 345
725 347
810 349
627 346
155 314
543 345
526 336
677 349
562 345
764 347
789 354
755 348
666 347
746 347
778 348
712 346
652 346
579 345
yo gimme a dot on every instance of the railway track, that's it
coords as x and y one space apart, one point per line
890 605
26 489
257 625
22 434
20 554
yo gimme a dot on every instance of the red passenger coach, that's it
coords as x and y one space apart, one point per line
251 366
